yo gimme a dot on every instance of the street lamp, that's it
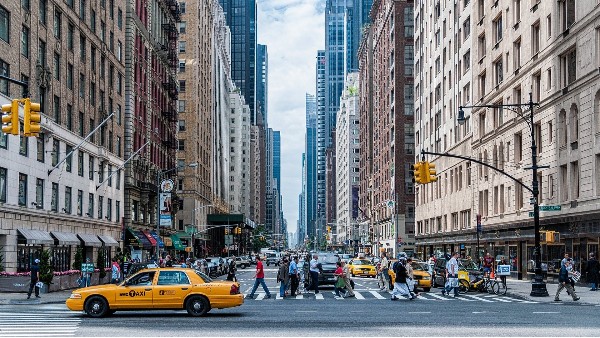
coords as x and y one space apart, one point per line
159 174
538 286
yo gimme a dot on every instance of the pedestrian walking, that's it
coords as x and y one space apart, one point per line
35 278
592 269
259 279
87 269
232 270
451 276
411 278
283 277
564 282
314 274
115 272
168 262
431 264
339 280
383 272
347 281
294 275
400 283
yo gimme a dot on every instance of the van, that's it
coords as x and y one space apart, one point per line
273 258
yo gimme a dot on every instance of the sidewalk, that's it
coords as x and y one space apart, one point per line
17 298
522 289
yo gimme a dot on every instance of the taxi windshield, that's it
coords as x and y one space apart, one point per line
468 264
361 262
419 266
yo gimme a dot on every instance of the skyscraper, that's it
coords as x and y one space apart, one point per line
277 158
310 168
241 19
320 137
262 82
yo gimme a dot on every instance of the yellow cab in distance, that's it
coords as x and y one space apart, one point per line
420 273
362 267
158 289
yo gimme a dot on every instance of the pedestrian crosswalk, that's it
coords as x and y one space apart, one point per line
59 323
360 295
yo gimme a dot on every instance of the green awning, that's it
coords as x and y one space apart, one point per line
177 243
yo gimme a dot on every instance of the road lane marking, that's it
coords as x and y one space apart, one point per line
260 296
500 299
358 295
278 297
479 299
306 311
319 296
420 312
299 296
543 312
377 295
438 296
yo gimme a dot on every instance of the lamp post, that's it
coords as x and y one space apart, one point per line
538 286
159 174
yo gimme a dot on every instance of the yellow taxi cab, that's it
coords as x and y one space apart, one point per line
362 267
158 289
420 273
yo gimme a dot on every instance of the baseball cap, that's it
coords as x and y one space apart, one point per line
36 260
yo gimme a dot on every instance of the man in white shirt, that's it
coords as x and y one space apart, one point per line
383 272
314 274
451 275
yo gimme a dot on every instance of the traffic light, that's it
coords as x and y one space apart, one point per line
31 125
10 118
328 228
226 231
418 172
430 172
238 230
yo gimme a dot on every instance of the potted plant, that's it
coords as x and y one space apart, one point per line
46 270
78 259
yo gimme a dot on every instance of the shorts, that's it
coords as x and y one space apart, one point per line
487 269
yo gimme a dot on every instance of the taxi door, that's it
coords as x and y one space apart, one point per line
171 289
136 293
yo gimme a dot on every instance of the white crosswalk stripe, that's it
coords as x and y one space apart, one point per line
383 295
39 324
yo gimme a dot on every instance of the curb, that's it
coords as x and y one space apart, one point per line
29 302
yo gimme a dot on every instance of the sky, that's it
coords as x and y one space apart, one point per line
293 31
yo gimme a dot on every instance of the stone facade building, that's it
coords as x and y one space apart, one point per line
551 51
72 56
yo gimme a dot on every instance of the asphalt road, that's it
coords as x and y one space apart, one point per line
478 315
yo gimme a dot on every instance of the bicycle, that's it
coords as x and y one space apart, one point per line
485 284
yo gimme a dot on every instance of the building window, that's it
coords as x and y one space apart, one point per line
466 61
118 210
82 9
120 19
55 151
568 67
574 125
93 21
535 38
567 11
482 80
23 145
41 148
82 49
4 70
467 28
118 180
182 45
25 41
517 54
498 69
517 11
70 76
68 207
182 66
39 193
181 104
81 86
100 207
80 202
181 125
182 86
80 163
81 124
22 189
182 27
90 212
3 185
481 45
54 198
42 53
70 36
109 209
497 24
69 160
91 168
537 86
57 24
69 117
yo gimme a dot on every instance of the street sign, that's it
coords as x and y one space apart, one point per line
531 214
550 207
167 185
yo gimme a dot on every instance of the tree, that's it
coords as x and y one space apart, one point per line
46 269
78 258
259 239
101 263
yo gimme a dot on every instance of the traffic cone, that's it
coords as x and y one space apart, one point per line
492 275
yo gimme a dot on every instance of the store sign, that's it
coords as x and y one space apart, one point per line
166 209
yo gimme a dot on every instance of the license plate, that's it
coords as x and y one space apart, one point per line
331 278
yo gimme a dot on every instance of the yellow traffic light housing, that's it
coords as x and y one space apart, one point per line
418 171
10 118
430 172
32 118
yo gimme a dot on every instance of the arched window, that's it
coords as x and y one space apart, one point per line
562 128
574 123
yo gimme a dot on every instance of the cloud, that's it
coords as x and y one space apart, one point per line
293 31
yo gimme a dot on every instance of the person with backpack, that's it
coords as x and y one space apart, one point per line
232 270
400 283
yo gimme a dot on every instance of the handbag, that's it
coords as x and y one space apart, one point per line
39 284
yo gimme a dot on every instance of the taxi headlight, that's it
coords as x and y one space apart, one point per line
426 278
75 296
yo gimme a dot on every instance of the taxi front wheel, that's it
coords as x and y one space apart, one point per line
197 306
96 307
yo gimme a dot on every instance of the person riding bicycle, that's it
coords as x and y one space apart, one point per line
488 264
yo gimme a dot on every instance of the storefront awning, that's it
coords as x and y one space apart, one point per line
157 238
177 243
36 236
90 240
146 244
66 238
108 241
150 238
